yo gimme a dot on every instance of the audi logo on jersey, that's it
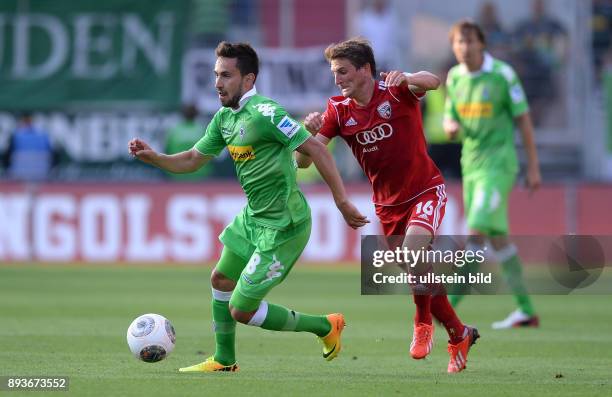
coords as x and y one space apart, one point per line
376 134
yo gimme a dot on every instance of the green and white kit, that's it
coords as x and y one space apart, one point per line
485 104
271 232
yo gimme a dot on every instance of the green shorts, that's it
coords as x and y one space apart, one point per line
485 198
268 256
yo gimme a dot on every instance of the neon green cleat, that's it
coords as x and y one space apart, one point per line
331 342
210 365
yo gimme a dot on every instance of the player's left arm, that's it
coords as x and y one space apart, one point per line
519 109
326 166
419 82
534 178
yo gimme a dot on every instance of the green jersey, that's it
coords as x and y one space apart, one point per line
261 138
485 104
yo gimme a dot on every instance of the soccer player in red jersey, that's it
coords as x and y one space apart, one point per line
381 122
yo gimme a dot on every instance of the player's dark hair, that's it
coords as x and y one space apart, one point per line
189 111
357 51
465 26
247 59
25 115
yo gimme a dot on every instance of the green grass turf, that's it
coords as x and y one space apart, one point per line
72 321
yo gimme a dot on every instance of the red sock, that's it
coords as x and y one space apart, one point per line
444 312
423 309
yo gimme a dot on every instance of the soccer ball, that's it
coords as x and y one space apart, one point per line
151 337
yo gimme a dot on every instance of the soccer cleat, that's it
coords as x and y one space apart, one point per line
459 352
517 319
210 365
331 342
422 340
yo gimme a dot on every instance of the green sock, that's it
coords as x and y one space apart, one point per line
225 331
279 318
513 275
458 291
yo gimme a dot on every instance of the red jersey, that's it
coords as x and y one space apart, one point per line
387 139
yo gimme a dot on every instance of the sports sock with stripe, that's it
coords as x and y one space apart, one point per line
512 271
278 318
458 291
224 327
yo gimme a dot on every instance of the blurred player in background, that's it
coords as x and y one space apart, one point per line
381 123
182 137
30 155
267 237
485 101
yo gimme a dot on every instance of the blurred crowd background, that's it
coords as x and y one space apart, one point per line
80 78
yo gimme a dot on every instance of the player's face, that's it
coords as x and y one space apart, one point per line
230 84
467 47
349 79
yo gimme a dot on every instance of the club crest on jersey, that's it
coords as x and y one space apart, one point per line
384 109
486 95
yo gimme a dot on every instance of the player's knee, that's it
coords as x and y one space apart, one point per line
220 282
504 253
477 238
500 242
474 245
240 316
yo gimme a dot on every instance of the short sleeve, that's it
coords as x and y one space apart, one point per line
331 122
517 99
280 126
212 143
404 93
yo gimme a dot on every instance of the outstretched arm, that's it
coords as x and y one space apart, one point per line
180 163
418 82
327 168
534 178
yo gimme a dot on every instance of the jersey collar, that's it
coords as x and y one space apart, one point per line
245 98
487 66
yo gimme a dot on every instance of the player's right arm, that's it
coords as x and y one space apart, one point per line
179 163
188 161
450 122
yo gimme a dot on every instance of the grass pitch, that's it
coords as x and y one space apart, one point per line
72 321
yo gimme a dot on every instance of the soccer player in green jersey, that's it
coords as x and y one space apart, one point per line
485 101
267 237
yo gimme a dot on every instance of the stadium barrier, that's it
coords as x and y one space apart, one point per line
160 223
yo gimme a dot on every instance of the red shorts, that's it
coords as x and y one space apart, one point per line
425 210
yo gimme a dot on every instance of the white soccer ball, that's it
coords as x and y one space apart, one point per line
151 337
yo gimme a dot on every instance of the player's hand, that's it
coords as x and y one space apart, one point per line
451 128
534 178
313 122
141 150
351 215
394 78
